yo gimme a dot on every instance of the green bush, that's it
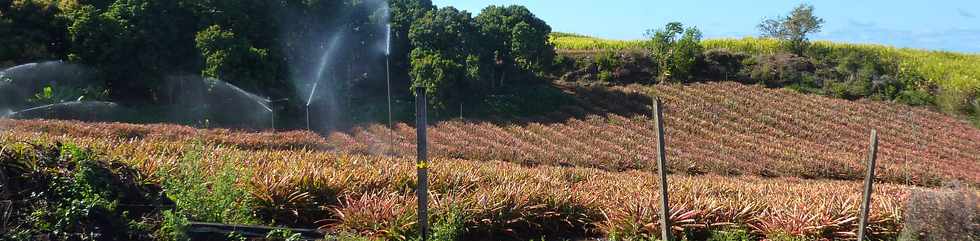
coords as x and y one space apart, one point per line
73 196
721 64
955 101
449 226
608 61
173 228
676 51
209 197
778 70
730 235
605 76
915 98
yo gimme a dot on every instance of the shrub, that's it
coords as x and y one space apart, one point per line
625 66
721 64
605 76
64 192
676 51
607 60
173 227
200 195
778 70
850 90
955 101
450 226
563 64
730 235
915 98
949 214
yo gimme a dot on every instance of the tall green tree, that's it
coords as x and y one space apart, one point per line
445 55
134 43
403 14
676 51
231 58
31 31
517 41
793 29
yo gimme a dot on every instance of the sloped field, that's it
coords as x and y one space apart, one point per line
749 158
721 128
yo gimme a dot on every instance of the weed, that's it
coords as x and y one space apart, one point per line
730 235
449 227
209 195
72 195
173 227
283 235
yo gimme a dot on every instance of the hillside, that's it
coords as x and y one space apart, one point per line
573 173
948 70
720 128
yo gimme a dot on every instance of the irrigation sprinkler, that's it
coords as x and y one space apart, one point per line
422 166
868 182
662 169
310 101
271 113
391 130
272 110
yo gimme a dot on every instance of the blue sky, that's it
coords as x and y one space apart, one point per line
937 24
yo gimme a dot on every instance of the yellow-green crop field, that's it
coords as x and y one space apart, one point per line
948 70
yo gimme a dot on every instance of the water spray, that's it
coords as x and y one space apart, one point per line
272 113
6 114
272 110
310 101
325 61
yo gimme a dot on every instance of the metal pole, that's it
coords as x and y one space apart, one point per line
868 182
662 169
391 127
422 166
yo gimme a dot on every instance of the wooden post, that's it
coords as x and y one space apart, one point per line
868 182
662 169
422 166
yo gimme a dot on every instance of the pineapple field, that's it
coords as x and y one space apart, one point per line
745 160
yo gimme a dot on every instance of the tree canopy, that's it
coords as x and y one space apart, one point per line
270 47
794 29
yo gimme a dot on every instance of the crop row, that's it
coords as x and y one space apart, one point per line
726 129
720 128
372 195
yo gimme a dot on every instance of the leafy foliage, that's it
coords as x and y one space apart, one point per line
31 31
793 29
207 195
444 42
458 59
64 192
515 39
439 76
676 49
227 56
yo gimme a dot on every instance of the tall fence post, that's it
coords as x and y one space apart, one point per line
868 182
422 166
662 169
